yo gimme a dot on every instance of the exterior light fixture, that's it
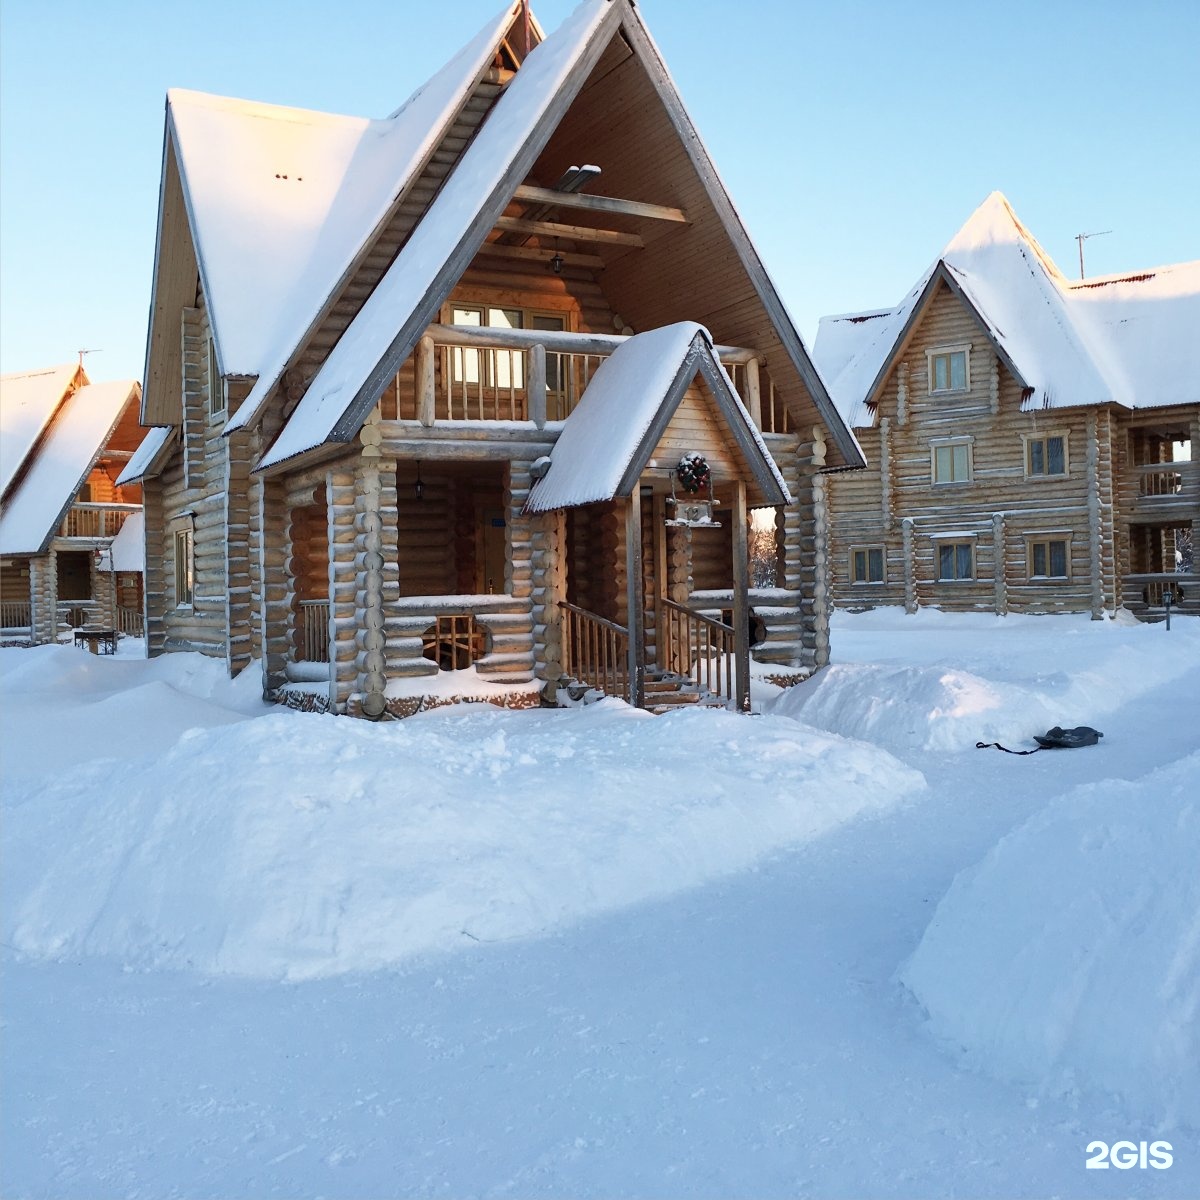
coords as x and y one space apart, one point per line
556 263
419 486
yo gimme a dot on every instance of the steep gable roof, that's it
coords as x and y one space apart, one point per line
280 201
28 402
1065 345
607 441
387 326
62 461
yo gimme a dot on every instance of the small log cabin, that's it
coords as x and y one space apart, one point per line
1033 441
65 441
477 400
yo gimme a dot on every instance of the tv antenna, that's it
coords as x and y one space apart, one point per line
1083 237
81 353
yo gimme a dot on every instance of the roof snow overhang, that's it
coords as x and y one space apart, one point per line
151 455
29 401
484 181
607 442
61 463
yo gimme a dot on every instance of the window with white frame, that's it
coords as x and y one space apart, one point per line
949 369
1046 454
956 560
184 567
952 461
1048 556
868 564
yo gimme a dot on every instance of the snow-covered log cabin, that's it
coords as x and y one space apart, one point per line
1033 441
477 399
63 443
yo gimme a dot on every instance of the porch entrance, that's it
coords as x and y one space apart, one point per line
628 630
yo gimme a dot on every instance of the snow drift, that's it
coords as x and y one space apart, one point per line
1070 956
298 846
965 697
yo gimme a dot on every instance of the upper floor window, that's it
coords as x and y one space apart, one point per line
216 386
949 369
501 368
1046 455
952 461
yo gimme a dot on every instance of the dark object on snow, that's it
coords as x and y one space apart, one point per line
1069 739
1054 739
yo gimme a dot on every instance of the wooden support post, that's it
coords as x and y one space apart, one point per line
426 394
661 574
753 395
741 598
537 385
636 592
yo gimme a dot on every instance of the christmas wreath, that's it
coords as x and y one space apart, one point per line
693 472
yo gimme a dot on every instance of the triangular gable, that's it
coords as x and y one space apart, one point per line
28 402
63 460
610 438
1021 301
460 219
408 297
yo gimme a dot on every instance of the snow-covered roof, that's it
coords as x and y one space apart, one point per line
282 199
606 441
147 456
450 226
63 460
1123 340
28 401
128 550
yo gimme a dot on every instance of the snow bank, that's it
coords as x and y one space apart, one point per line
991 679
1070 957
298 845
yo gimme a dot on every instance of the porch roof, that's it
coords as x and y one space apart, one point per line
606 443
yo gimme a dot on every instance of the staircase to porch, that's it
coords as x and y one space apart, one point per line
696 652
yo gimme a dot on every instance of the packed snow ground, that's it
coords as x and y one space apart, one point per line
595 953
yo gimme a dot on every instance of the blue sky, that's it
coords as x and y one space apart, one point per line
855 138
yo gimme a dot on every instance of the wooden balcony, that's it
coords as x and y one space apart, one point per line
96 521
15 616
464 373
1160 491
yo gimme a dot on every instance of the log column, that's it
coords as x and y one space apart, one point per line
811 551
549 587
43 598
154 598
239 589
343 586
635 599
741 604
999 564
276 614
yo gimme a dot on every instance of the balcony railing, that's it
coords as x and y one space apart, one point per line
464 373
15 614
1151 589
96 520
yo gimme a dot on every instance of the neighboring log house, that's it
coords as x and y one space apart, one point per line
63 443
370 338
1033 441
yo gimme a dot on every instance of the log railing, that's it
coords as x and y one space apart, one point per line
595 651
529 375
16 614
130 621
1150 589
697 647
96 520
314 630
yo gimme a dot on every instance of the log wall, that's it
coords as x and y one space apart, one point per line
895 504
